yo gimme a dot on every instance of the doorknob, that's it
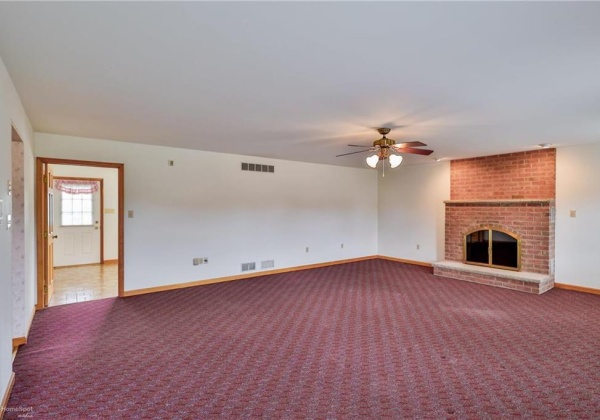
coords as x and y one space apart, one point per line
54 236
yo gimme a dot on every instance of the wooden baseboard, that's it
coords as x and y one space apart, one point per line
577 288
242 276
401 260
110 262
58 267
6 395
19 341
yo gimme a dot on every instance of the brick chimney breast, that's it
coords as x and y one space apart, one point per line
513 192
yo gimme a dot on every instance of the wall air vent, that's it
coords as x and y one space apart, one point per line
248 266
257 167
267 264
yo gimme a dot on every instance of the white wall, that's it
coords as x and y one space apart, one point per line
111 201
411 211
577 238
17 296
206 206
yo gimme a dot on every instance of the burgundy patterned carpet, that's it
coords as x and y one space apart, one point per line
375 339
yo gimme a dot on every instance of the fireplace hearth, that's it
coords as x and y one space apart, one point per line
488 239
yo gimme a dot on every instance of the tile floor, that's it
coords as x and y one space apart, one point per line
88 282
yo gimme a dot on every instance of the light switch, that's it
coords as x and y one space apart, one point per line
573 213
130 214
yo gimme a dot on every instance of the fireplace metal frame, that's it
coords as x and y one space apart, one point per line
490 251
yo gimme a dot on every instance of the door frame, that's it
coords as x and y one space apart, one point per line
41 216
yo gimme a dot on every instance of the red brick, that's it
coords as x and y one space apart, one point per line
529 175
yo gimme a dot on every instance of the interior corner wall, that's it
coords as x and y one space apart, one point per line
14 316
578 190
205 206
411 212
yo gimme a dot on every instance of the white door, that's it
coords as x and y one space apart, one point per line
49 235
77 226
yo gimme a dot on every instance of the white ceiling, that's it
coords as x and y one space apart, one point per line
299 81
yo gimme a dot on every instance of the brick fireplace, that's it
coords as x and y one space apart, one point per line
513 193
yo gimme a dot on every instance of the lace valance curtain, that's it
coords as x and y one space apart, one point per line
76 186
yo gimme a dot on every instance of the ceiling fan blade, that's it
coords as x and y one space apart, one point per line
351 153
409 144
413 151
359 145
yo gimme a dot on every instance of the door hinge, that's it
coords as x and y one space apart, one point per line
45 289
45 179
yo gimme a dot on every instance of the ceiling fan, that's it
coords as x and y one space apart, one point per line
385 148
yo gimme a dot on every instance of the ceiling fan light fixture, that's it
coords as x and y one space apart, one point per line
384 149
395 161
372 161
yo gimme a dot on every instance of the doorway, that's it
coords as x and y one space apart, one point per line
80 251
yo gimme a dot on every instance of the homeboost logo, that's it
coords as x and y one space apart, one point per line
22 412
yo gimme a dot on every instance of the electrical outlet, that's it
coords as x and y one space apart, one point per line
130 214
306 249
170 163
573 213
200 260
342 246
418 246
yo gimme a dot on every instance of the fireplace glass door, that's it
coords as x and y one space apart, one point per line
493 248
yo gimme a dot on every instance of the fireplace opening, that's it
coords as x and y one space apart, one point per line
493 248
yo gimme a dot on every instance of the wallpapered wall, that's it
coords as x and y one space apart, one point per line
12 116
18 238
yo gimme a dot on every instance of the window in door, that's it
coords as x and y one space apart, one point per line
76 201
76 209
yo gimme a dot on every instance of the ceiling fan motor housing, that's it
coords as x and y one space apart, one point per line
383 142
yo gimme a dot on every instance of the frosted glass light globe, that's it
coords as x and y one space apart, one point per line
372 161
395 161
